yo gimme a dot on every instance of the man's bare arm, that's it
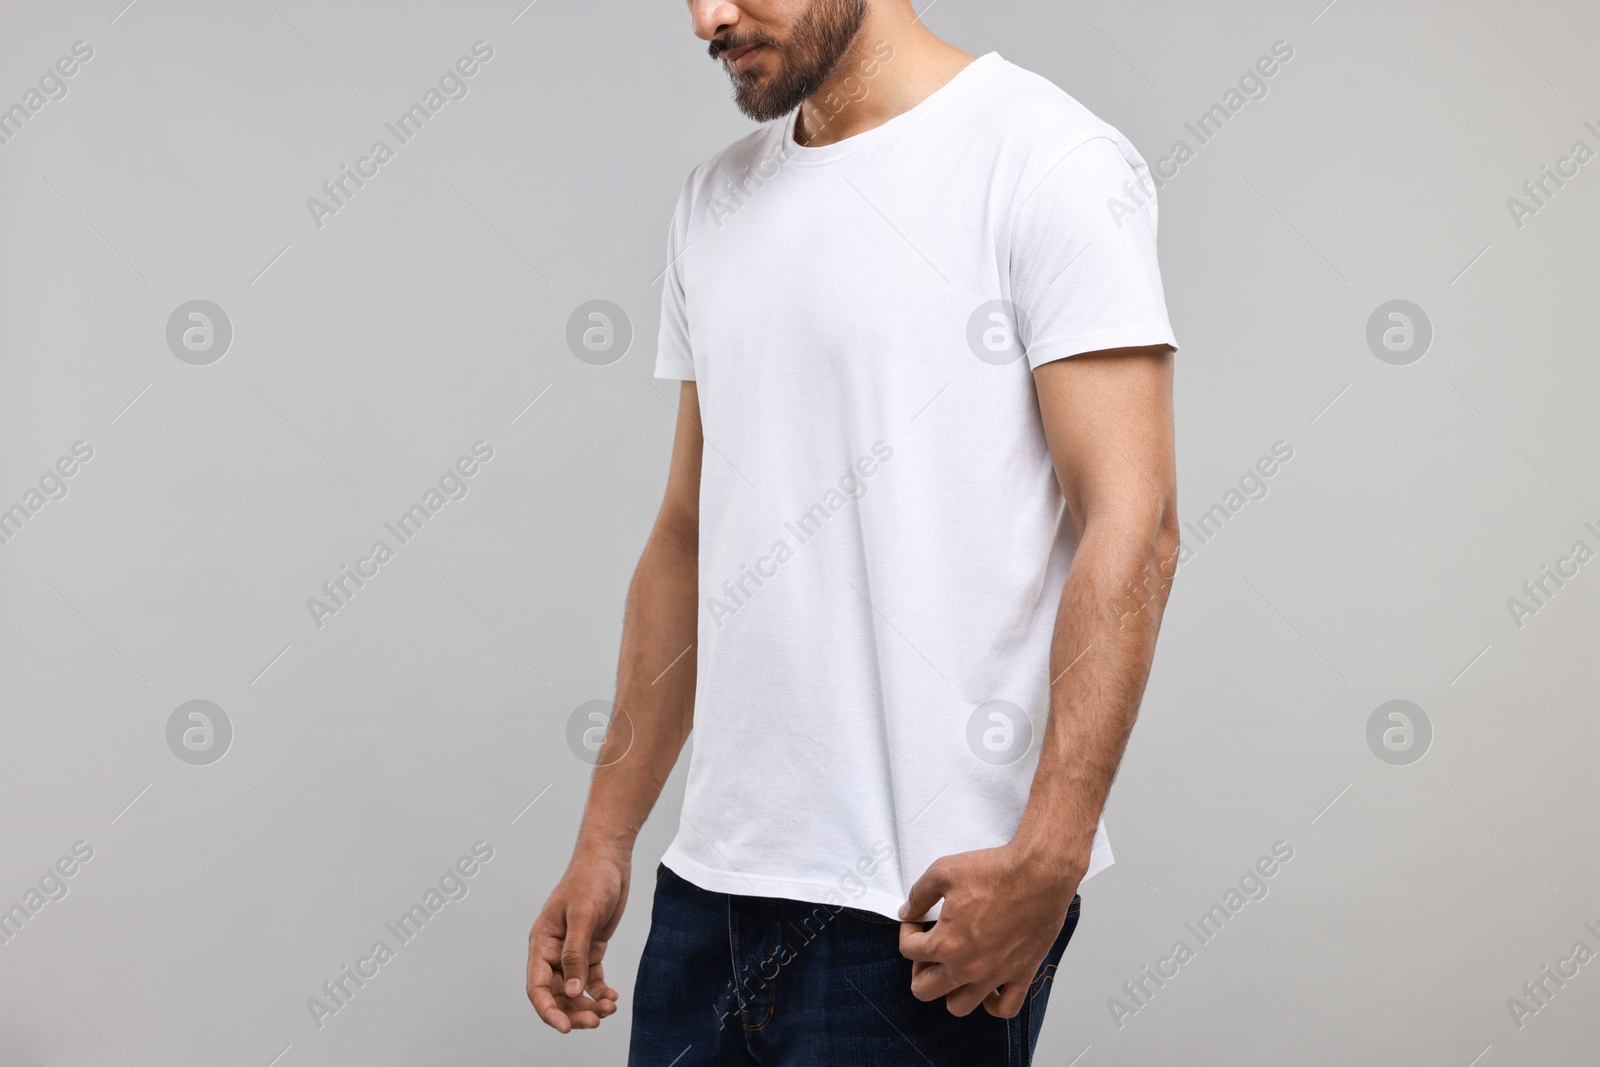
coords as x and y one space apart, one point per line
1108 419
653 715
656 666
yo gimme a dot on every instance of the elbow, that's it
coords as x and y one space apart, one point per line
1167 542
1168 538
1154 524
1140 531
678 531
1149 519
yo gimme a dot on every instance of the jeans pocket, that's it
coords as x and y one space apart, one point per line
1052 959
1032 1015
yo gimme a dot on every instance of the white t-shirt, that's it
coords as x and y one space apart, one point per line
882 540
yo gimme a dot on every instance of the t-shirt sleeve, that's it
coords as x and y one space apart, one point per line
674 359
1084 275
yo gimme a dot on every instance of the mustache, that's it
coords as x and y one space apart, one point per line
728 44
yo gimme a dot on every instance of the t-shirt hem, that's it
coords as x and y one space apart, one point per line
876 901
737 884
1153 333
677 370
1100 857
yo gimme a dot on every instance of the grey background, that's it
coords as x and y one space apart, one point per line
369 354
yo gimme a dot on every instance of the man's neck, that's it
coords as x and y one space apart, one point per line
895 63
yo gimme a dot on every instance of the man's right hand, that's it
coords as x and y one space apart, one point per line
566 981
656 684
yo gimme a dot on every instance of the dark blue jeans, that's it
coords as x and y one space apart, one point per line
766 982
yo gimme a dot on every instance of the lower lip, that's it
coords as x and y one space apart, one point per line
744 62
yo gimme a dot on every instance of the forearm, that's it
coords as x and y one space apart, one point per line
655 693
1105 636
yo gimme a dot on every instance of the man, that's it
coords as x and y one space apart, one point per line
918 531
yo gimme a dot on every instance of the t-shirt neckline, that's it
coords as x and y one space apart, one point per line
839 149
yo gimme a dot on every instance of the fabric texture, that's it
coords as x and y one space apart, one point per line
883 543
731 980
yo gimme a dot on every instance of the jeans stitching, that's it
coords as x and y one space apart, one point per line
1045 977
772 984
1046 974
869 917
733 960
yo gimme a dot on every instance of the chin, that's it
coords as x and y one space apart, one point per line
764 71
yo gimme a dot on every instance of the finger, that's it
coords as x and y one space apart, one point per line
933 982
539 985
536 977
1006 1002
928 891
542 943
918 945
544 1002
575 952
603 995
964 999
598 991
597 987
586 1017
583 1012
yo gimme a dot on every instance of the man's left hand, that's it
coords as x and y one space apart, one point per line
1002 912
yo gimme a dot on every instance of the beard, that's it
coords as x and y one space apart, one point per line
816 45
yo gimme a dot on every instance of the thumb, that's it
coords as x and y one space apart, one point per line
928 891
575 951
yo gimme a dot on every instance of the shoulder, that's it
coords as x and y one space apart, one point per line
1033 123
758 151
